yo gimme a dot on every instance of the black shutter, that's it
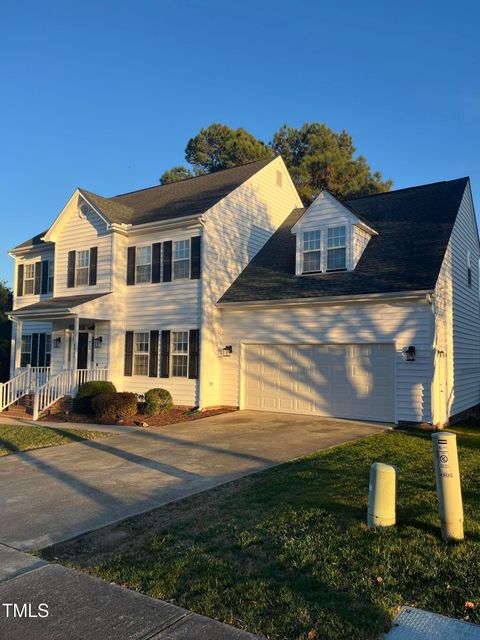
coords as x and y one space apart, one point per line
167 261
131 265
193 340
37 272
34 358
92 271
71 269
128 353
153 360
165 355
195 261
20 280
156 253
41 350
44 277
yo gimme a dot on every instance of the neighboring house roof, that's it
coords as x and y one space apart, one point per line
57 304
169 201
414 227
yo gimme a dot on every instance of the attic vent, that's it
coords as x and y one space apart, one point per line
279 178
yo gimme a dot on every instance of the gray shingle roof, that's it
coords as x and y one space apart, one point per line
170 201
60 303
414 227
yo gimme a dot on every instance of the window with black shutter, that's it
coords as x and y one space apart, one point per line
195 263
128 353
165 355
193 353
131 252
20 270
92 269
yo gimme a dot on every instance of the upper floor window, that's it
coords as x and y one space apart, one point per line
180 354
50 276
336 248
181 259
311 251
141 353
29 279
82 267
143 267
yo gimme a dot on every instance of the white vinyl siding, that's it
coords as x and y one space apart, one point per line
79 234
400 323
235 230
457 317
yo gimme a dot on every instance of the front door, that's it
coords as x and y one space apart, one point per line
82 359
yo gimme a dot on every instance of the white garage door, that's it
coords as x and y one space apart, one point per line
346 381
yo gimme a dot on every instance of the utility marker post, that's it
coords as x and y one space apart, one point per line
449 490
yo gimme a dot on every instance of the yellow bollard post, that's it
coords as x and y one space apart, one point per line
382 495
449 490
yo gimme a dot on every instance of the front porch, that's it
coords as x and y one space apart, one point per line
53 364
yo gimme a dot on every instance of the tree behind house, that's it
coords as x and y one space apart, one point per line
317 158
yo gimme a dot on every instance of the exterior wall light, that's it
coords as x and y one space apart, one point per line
97 342
409 353
57 342
227 351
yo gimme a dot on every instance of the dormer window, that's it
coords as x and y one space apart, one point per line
336 248
311 251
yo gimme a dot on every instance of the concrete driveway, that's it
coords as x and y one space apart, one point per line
54 494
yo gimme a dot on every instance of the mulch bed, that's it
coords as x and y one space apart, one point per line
176 414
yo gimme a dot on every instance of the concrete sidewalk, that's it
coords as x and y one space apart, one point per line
81 607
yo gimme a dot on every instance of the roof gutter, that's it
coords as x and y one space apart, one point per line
370 297
164 224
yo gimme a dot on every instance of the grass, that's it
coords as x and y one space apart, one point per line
15 438
286 552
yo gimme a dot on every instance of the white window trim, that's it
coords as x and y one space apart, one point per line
345 246
149 281
143 353
25 279
84 268
305 251
349 234
172 353
174 260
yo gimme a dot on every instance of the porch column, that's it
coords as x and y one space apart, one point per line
16 356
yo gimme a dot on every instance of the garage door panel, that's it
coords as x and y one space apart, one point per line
351 381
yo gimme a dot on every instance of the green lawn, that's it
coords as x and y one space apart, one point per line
15 438
287 551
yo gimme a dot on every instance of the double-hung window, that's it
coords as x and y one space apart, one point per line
143 269
140 353
50 276
29 281
180 354
26 354
336 248
181 259
311 251
81 267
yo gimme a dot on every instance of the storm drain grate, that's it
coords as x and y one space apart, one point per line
416 624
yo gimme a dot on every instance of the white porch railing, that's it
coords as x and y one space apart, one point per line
65 383
26 380
38 375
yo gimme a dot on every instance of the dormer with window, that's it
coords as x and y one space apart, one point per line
330 237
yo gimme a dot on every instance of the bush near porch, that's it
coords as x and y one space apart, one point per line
286 553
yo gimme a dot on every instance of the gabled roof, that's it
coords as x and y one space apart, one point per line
192 196
414 227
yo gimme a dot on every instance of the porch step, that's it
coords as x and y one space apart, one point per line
17 411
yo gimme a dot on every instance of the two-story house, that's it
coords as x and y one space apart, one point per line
125 288
226 291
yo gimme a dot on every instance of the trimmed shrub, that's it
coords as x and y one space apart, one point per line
109 407
87 391
156 401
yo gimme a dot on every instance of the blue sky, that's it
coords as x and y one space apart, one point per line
105 94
